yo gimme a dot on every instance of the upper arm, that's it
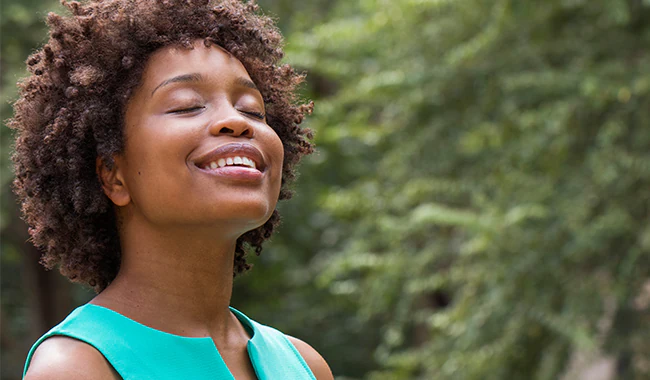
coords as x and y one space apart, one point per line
60 357
314 360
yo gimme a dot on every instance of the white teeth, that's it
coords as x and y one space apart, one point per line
248 162
237 160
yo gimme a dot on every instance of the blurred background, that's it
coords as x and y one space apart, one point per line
478 206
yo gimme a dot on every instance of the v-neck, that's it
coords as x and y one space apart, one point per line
202 342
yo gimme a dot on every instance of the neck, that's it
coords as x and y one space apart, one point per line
175 280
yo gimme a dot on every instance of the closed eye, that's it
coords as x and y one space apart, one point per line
256 115
186 110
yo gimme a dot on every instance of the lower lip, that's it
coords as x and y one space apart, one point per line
235 173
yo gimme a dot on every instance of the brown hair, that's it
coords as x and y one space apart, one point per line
70 112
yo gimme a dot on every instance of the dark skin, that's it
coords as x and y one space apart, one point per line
179 220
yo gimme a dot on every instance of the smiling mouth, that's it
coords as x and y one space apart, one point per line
240 155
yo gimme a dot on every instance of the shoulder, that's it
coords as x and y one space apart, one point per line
314 360
60 357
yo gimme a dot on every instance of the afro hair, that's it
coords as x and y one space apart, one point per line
70 113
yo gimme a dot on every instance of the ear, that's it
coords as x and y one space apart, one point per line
112 180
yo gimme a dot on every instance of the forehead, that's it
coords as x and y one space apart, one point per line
175 60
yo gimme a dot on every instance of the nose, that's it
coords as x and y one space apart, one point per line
234 125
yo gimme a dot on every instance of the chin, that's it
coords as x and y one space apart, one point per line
249 215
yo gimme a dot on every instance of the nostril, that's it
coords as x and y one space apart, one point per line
226 130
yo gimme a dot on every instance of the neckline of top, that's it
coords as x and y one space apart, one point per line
241 317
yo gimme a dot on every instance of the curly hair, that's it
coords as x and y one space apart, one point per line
71 112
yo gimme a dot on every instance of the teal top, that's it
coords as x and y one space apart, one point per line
140 352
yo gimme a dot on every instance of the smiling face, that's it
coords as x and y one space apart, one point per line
198 151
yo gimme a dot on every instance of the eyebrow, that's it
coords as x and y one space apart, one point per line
196 77
246 83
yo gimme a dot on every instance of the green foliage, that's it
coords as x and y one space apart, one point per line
495 152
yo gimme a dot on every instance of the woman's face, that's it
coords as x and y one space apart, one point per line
198 150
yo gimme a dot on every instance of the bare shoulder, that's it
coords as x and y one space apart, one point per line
316 363
60 357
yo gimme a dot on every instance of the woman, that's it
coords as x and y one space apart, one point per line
154 141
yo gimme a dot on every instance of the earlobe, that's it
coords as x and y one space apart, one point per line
113 183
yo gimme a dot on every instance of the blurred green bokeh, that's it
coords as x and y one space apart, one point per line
478 206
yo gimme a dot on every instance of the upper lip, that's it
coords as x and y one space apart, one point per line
231 150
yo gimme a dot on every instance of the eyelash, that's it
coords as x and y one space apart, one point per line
186 110
256 115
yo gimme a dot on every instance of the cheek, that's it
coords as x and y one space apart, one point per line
157 144
156 161
278 159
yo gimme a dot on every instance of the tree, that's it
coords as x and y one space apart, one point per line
482 181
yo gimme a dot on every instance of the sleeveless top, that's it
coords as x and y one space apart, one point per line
140 352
